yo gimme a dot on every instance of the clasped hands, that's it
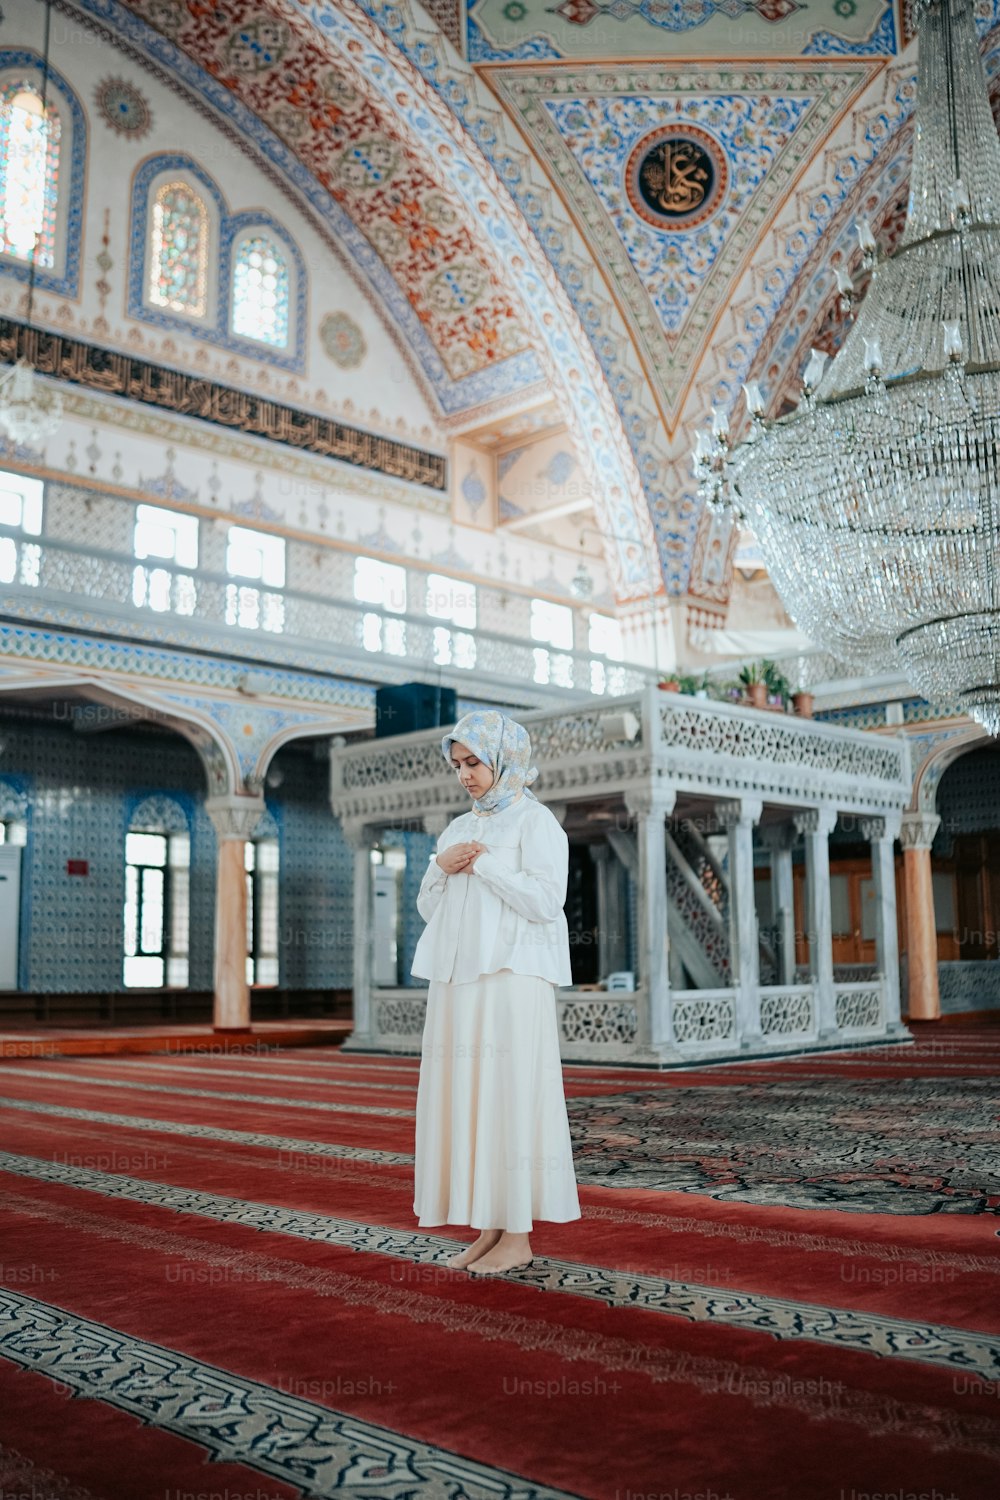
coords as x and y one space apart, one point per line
459 859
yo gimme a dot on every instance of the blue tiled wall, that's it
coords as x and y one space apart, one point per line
968 798
81 790
317 874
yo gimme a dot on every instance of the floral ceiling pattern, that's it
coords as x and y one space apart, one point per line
763 123
597 152
271 59
517 30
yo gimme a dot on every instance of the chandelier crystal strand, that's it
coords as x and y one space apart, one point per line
876 503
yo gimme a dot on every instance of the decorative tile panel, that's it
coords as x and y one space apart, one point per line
520 30
763 123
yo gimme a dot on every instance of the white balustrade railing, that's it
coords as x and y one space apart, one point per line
79 584
860 1008
713 750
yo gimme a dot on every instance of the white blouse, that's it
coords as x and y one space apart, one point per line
507 911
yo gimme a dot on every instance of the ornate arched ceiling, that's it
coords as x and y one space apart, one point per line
579 251
329 102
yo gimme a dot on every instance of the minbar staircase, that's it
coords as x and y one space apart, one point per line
697 906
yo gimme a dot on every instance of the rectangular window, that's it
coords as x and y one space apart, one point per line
156 909
869 910
145 908
943 883
605 640
179 875
448 599
553 624
171 539
21 503
384 584
261 863
260 557
840 905
20 517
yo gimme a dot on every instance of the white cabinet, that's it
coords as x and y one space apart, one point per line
10 913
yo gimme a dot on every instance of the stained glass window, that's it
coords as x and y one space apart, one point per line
178 272
29 173
260 291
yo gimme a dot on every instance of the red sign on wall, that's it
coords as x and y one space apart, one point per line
78 867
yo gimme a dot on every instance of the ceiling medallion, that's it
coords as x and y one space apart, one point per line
676 177
123 108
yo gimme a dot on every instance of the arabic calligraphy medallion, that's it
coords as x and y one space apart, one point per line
676 177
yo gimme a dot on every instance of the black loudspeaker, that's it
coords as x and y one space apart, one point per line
403 708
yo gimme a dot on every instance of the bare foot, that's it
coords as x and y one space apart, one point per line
509 1251
487 1239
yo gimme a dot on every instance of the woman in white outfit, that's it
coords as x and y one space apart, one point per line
493 1145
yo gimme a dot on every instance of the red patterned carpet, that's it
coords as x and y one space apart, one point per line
784 1286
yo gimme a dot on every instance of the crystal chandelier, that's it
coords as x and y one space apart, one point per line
876 502
30 411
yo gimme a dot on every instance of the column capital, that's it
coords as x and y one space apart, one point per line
819 820
739 810
235 817
357 833
650 801
918 829
778 838
880 826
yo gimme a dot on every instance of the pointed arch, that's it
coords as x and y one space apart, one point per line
179 248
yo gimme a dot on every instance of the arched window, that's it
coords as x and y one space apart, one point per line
261 291
237 280
29 173
178 265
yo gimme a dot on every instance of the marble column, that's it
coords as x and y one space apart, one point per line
649 807
923 993
881 833
816 826
739 817
779 839
359 836
612 934
234 819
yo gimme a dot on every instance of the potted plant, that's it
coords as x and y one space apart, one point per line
802 702
669 684
755 684
778 685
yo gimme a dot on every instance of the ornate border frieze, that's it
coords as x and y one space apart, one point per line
114 373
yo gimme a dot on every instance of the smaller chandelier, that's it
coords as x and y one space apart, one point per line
30 412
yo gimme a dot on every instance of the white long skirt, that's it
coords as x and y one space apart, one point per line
493 1145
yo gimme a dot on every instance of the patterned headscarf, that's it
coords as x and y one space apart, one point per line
501 743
